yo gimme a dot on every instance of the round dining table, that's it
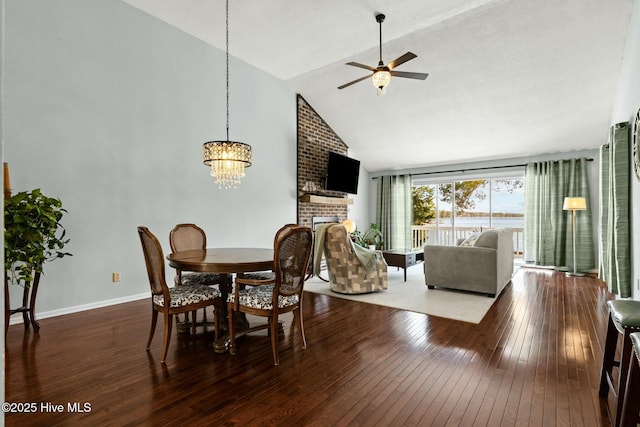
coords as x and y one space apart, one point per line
224 261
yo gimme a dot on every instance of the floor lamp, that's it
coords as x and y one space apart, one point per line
574 204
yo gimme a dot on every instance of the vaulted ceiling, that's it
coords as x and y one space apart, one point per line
507 78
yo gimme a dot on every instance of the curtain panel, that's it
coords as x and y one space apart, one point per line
615 213
547 228
394 210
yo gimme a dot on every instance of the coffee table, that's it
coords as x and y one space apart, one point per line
403 258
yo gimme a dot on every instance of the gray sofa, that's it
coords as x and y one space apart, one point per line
482 263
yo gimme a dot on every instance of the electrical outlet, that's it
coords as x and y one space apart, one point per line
115 277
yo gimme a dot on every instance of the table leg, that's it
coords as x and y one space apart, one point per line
221 343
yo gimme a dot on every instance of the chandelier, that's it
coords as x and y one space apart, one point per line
227 159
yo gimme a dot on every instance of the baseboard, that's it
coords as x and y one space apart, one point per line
78 308
539 267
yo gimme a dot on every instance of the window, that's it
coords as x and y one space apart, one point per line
446 210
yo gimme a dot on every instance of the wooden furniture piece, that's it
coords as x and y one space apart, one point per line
256 279
326 200
631 405
292 251
224 261
171 301
403 258
184 237
28 307
624 319
260 277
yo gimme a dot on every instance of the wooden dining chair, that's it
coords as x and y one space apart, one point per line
176 300
258 278
292 251
186 237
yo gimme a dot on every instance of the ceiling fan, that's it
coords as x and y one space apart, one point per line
382 73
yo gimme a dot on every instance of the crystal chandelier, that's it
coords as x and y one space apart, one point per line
227 159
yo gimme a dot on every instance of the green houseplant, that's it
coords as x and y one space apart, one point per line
32 235
371 237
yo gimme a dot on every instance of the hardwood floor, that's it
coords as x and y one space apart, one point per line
533 360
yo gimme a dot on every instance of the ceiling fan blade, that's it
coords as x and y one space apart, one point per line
418 76
353 82
401 60
366 67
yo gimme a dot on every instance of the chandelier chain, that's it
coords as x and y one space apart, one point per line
227 60
227 159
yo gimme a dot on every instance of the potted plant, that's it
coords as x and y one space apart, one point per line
372 238
32 235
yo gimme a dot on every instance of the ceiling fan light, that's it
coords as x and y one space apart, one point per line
381 80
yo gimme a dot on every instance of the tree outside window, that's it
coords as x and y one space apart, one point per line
476 204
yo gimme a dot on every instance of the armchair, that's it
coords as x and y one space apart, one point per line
347 274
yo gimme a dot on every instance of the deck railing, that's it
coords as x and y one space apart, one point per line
438 235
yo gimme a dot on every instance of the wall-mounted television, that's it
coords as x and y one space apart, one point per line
342 173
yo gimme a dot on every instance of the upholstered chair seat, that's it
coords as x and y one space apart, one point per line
189 279
260 275
181 296
261 297
256 279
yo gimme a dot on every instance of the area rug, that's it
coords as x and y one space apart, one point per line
413 295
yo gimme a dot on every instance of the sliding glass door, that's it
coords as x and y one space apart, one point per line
445 212
507 208
472 208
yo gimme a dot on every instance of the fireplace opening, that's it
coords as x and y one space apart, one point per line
315 220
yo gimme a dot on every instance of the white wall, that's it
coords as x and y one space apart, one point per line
107 108
359 210
626 104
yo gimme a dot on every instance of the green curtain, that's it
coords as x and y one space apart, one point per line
615 214
394 210
547 228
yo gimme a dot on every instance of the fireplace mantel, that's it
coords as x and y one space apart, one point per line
325 200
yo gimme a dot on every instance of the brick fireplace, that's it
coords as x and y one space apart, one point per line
315 140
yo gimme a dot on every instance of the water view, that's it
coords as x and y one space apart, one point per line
483 221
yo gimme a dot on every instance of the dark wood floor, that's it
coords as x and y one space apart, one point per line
533 360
